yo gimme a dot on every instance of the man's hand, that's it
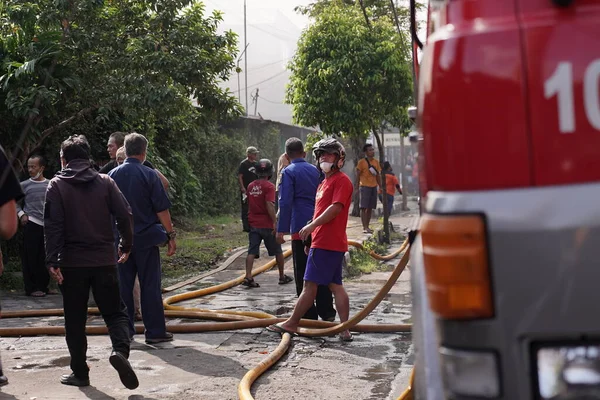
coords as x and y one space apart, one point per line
56 274
243 190
306 250
171 247
24 219
280 238
123 257
306 231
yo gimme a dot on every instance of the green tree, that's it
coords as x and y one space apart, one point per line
350 77
137 63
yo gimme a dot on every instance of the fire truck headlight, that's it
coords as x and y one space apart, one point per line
470 373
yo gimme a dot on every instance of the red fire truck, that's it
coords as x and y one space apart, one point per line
506 263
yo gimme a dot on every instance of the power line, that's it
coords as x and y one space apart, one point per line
256 26
267 80
269 64
271 101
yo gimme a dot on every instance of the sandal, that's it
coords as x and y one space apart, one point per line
250 283
346 336
277 328
37 293
285 279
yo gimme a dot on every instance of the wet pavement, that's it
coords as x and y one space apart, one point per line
210 365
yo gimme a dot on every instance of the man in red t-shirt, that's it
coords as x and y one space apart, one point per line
262 220
329 241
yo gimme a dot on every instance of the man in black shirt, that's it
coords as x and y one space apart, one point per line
10 192
246 175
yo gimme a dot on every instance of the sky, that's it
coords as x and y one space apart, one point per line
273 29
234 9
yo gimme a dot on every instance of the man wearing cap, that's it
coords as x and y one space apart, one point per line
246 175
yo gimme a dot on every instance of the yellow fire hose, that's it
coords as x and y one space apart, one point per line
236 319
246 383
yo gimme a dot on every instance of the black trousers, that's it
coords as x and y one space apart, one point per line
33 259
104 282
245 223
145 264
324 300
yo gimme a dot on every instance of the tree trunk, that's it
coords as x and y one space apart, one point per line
356 142
403 169
386 226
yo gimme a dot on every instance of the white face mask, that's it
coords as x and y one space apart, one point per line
326 166
37 175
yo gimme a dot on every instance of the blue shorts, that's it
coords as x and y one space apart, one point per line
324 267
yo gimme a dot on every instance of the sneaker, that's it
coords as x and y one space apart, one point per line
167 338
73 380
3 379
126 373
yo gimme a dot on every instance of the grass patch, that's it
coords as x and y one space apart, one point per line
201 243
361 261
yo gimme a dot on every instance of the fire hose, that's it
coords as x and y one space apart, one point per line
234 320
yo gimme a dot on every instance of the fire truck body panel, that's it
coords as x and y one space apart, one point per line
471 103
509 112
562 53
544 288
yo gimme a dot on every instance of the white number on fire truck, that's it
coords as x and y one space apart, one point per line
561 84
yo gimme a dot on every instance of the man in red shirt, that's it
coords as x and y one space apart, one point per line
262 220
329 241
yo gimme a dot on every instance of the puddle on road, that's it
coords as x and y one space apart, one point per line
404 299
383 374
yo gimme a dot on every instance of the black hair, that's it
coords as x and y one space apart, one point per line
386 165
294 147
74 147
119 138
366 146
41 159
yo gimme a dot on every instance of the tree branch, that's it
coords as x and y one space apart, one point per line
364 10
60 126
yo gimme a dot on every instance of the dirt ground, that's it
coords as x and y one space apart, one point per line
210 365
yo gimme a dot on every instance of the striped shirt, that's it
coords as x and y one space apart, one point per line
33 203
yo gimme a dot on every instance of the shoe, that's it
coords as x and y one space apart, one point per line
3 379
73 380
167 338
126 373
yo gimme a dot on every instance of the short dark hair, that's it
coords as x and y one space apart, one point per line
294 147
119 138
135 144
74 147
386 165
41 159
366 146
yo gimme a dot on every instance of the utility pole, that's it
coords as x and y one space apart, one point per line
238 71
245 59
255 101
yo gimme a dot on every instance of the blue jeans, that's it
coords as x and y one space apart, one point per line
390 200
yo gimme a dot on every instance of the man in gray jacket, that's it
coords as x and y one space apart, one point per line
80 254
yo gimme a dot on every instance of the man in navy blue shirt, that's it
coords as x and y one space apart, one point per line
152 228
297 192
